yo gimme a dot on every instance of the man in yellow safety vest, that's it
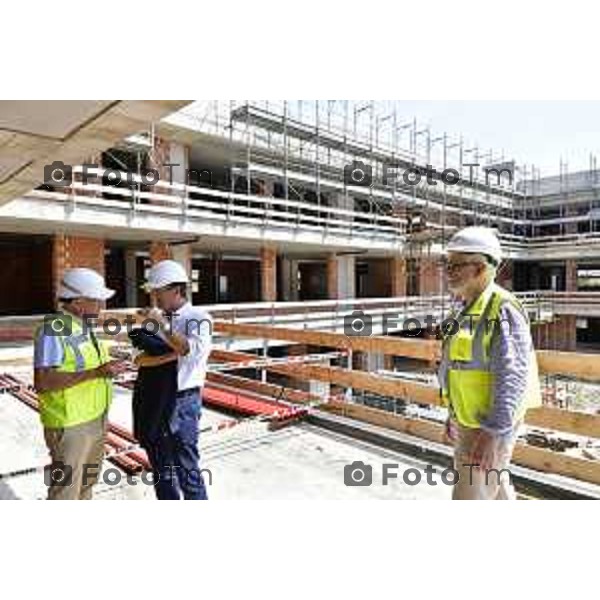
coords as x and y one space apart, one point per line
488 372
72 374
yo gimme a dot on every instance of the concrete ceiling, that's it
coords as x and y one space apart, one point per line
34 133
200 243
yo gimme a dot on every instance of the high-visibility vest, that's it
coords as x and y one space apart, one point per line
85 401
469 380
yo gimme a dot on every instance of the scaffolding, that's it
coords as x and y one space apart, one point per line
305 147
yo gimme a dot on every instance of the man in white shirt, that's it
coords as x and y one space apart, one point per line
187 330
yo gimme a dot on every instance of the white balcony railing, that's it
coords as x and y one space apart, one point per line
200 206
212 211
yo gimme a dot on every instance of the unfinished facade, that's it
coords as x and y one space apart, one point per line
257 198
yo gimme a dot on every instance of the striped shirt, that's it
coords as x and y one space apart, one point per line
510 355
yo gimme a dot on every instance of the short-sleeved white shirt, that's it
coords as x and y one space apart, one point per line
195 325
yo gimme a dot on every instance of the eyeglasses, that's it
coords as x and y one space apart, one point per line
453 267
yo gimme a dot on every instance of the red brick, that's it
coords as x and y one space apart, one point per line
430 276
160 251
398 277
268 274
71 251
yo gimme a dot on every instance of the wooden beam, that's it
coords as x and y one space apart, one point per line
420 349
527 456
386 386
570 364
556 462
265 389
537 458
568 421
229 356
417 427
548 417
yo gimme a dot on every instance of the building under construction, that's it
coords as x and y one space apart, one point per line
290 217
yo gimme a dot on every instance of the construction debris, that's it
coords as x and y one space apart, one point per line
552 441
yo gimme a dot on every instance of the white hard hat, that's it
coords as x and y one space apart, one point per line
83 283
165 273
476 240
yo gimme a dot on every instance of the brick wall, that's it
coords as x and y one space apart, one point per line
429 276
268 274
160 251
398 276
571 275
72 251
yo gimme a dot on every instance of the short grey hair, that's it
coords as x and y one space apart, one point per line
490 267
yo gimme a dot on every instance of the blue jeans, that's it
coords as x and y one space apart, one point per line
175 457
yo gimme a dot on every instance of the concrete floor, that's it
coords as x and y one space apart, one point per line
247 461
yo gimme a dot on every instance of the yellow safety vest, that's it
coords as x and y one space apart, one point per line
85 401
469 390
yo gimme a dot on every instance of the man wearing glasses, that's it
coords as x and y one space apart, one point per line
488 372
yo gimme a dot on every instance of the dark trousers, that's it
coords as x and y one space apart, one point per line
175 457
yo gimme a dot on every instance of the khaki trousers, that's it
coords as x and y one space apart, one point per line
476 484
75 447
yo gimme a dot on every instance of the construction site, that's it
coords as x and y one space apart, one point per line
293 219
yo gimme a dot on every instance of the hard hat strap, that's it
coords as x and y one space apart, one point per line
71 288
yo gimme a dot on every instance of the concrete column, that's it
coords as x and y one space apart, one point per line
131 287
568 323
289 280
346 276
570 211
268 274
346 203
179 156
341 201
340 277
571 275
159 156
182 253
374 362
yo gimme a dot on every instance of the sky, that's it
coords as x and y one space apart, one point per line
531 132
